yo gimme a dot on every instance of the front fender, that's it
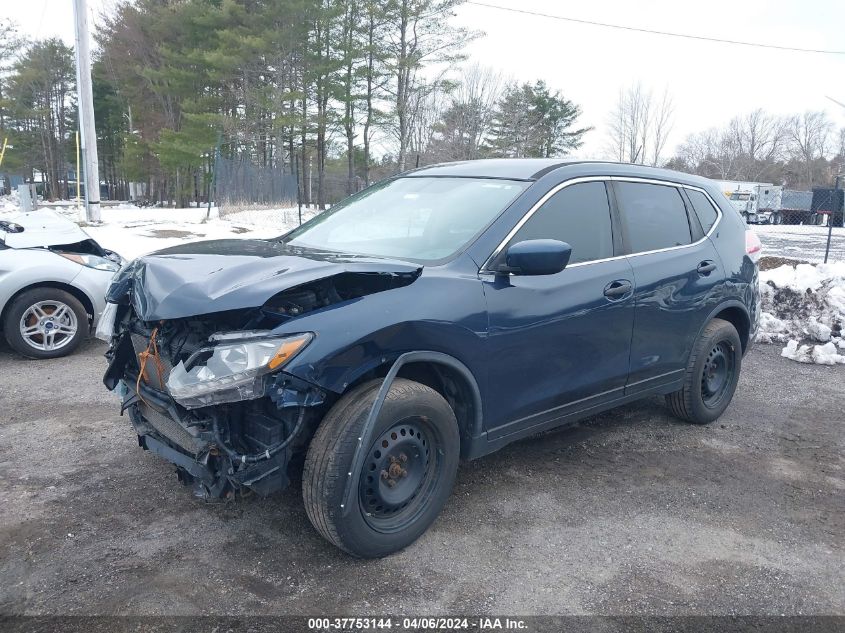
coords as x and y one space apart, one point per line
439 312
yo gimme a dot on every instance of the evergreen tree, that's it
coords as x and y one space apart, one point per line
531 121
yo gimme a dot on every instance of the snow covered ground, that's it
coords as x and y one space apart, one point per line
804 308
133 231
805 243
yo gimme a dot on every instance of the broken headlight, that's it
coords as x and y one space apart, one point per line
233 370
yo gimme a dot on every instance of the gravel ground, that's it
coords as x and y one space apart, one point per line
805 243
630 512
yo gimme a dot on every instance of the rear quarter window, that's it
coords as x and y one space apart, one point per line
703 208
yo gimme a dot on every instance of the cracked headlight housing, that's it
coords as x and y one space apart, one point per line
234 369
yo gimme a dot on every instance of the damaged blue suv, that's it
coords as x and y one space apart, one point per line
435 316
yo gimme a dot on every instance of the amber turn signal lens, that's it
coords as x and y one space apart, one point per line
288 350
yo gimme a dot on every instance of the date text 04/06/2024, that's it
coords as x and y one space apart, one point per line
415 624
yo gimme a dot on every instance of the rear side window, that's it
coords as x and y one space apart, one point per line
578 215
654 215
703 209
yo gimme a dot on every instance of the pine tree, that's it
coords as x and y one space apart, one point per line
531 121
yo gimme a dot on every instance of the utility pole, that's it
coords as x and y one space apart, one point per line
86 111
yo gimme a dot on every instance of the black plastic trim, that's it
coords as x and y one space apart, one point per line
369 424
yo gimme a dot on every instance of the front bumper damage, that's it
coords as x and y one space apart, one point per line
212 305
221 449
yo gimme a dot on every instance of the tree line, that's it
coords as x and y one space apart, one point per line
800 151
337 90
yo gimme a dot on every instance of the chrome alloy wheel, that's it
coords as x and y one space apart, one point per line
48 325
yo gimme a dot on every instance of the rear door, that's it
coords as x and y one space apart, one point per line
560 343
677 275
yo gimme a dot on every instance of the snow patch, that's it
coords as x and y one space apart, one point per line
826 354
133 231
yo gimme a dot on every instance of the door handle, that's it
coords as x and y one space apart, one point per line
706 267
618 289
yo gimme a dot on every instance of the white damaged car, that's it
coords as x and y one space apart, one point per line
53 279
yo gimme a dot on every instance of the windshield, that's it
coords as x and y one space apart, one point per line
427 219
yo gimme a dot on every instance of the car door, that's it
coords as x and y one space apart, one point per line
677 274
559 343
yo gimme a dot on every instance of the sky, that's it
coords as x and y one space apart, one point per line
709 82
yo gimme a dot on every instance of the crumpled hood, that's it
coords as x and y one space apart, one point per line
218 275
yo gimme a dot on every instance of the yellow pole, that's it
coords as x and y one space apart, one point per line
3 151
77 168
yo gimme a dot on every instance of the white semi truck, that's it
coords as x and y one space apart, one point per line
765 203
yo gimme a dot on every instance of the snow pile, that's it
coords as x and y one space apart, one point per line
827 354
10 204
804 307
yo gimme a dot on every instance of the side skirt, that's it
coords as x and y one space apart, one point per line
484 444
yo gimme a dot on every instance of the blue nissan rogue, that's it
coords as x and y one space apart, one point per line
434 316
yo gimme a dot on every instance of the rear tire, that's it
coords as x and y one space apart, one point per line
405 479
45 323
711 376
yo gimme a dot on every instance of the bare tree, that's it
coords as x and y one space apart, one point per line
661 127
467 118
713 153
759 139
640 125
426 102
809 137
419 32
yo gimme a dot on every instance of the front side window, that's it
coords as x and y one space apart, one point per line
578 215
654 215
418 218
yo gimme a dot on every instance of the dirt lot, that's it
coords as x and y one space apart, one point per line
631 512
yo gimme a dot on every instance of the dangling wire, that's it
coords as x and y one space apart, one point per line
143 357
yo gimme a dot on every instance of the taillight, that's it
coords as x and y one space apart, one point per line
753 246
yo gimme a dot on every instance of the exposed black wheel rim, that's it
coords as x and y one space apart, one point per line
400 473
718 373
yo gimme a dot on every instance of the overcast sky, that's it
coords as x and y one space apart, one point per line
709 82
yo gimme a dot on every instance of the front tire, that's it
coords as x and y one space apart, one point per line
45 323
405 479
711 376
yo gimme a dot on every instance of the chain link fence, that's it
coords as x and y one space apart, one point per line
239 184
801 226
272 196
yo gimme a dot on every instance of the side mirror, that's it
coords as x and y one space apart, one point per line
536 257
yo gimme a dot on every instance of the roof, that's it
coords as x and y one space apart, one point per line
513 168
535 168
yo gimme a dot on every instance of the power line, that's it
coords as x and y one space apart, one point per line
635 29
